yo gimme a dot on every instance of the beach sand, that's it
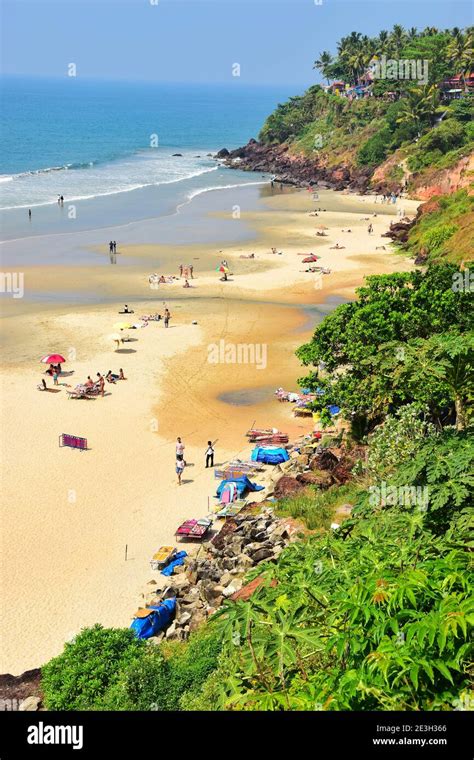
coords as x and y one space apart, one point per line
69 517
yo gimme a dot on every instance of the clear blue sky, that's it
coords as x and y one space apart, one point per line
274 41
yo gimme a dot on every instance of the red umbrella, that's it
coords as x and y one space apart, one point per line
310 259
53 359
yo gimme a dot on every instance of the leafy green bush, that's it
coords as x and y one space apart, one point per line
438 235
376 149
375 619
165 675
317 508
78 678
397 439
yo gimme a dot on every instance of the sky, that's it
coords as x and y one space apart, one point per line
274 42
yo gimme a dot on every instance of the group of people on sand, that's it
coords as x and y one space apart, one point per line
112 246
181 462
99 384
161 279
186 271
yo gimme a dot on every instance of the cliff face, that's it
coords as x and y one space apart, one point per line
295 168
301 170
445 181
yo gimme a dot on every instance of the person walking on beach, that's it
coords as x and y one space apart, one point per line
180 450
29 214
180 465
209 455
111 247
191 270
101 382
370 229
180 270
167 317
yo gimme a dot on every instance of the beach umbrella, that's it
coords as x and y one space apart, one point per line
322 227
222 268
53 359
122 325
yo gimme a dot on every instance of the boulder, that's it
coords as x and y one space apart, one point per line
287 486
261 555
30 704
197 620
320 479
223 153
184 618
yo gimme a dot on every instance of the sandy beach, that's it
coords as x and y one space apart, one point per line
70 518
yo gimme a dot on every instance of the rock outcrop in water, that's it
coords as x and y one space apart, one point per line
294 168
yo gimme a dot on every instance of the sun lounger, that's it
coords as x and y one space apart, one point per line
230 510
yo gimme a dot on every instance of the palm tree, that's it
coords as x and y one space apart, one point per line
419 107
398 38
429 31
460 54
322 63
412 33
382 43
358 62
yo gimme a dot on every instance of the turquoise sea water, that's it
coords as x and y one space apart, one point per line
85 139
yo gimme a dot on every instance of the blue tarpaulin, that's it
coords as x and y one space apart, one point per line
270 455
333 410
243 484
159 617
177 560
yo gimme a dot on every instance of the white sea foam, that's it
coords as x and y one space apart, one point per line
88 181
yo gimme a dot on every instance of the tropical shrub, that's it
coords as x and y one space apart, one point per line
78 678
397 439
165 675
375 619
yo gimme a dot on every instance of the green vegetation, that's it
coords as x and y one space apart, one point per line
317 508
165 675
428 134
384 350
376 615
447 231
78 678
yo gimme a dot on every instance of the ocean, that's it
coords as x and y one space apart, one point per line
87 139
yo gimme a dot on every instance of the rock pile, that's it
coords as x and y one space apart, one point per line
295 169
216 572
315 465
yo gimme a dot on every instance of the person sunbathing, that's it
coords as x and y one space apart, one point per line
121 375
337 247
89 382
110 377
186 284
